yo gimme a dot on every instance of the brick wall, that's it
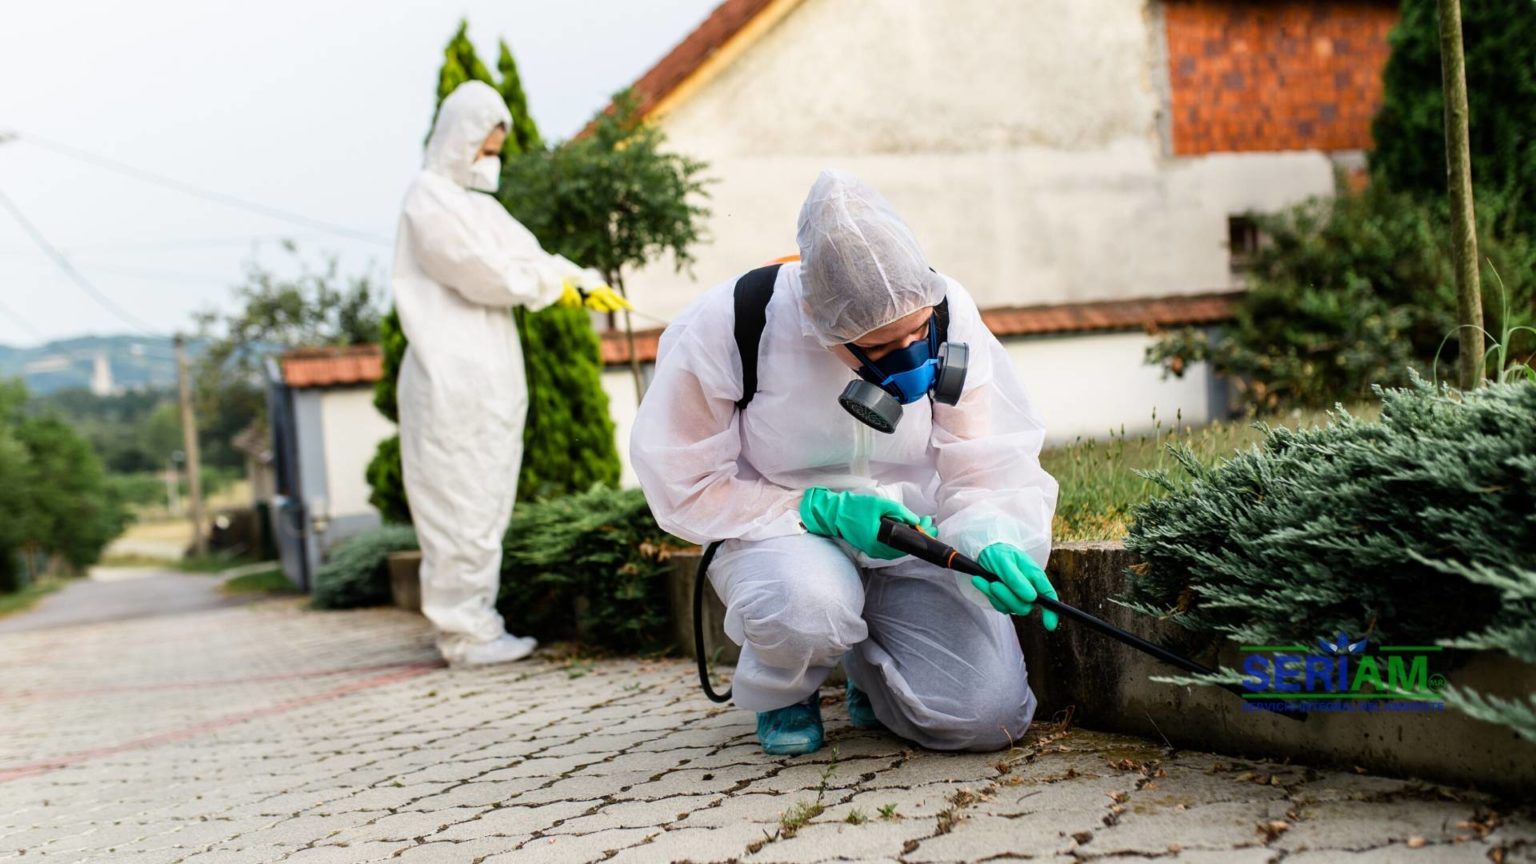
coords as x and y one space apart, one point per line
1275 75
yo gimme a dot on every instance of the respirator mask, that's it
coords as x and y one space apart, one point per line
931 366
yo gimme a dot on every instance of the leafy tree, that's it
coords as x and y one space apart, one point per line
614 198
126 430
55 501
1500 45
15 469
305 307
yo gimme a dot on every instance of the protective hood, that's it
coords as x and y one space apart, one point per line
861 267
469 114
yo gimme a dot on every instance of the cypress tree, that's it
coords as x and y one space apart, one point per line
524 136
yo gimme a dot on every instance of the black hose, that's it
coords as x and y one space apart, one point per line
698 625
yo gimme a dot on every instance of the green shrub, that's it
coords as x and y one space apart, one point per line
1351 293
601 551
357 573
1417 529
590 567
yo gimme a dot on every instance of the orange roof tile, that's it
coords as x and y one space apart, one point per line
1093 315
723 23
1140 313
332 367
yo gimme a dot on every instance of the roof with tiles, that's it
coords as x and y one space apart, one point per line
1093 316
332 367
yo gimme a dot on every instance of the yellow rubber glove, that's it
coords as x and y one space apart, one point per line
570 295
601 298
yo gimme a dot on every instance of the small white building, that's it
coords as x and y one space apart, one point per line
324 432
1082 168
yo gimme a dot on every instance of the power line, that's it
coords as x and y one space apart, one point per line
20 321
69 269
191 189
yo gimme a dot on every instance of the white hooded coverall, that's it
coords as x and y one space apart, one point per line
461 264
939 665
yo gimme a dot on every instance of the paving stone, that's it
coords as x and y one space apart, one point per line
1152 830
456 853
1359 825
513 821
477 794
354 854
636 814
741 808
567 849
836 840
691 844
1399 853
979 836
405 825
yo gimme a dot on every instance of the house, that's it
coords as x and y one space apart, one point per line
1083 168
324 432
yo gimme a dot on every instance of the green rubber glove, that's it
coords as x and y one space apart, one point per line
856 518
1022 582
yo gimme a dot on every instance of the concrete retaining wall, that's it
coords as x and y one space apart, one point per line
1106 685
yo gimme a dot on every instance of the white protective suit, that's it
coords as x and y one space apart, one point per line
940 666
461 264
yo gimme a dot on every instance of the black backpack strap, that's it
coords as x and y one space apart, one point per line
753 291
941 318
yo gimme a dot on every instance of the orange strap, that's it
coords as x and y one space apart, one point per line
785 259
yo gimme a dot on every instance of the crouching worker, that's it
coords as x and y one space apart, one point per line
793 408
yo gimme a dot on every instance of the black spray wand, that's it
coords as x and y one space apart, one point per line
908 539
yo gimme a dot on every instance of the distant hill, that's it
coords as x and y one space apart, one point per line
131 362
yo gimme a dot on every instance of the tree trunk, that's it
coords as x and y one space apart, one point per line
629 338
1458 170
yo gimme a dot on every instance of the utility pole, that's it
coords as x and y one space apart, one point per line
1458 171
189 442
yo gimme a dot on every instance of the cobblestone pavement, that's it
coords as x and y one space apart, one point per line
267 732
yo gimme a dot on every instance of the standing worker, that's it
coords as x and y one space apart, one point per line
461 264
744 437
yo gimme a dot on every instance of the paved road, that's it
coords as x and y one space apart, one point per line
267 732
119 594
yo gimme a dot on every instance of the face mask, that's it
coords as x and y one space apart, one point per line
903 377
486 174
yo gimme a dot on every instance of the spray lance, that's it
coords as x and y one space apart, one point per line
907 538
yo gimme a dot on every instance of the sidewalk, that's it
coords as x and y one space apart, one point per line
267 732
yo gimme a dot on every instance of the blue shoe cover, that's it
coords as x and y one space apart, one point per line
793 730
860 713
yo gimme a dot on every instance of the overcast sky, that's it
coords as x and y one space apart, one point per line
317 108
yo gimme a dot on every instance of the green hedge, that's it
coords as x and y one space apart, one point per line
357 573
1417 529
590 566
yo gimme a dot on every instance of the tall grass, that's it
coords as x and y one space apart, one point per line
1102 479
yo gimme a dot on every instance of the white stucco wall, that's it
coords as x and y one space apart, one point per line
619 384
1020 140
1085 386
352 429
